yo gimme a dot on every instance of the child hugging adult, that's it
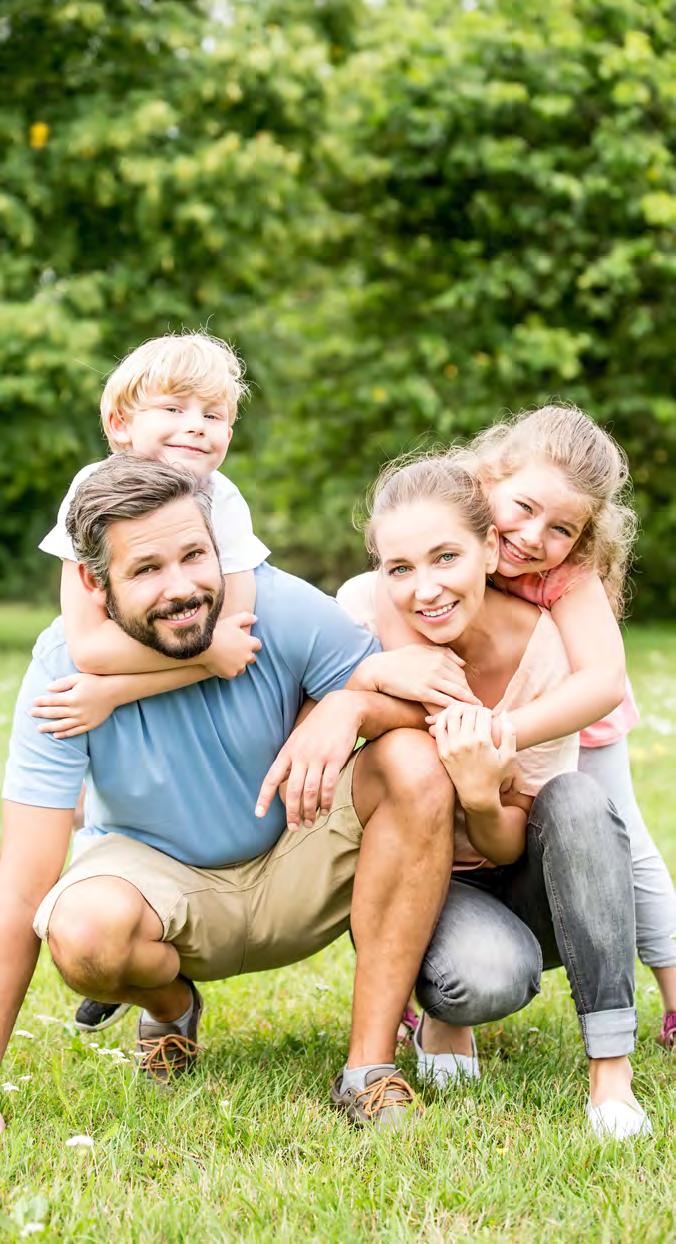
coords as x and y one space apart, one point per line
542 867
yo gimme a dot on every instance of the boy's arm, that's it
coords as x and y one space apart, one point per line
99 646
80 702
34 849
596 684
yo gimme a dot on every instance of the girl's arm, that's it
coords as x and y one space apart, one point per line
81 702
596 684
99 646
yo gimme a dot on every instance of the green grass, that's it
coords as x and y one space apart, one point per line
248 1148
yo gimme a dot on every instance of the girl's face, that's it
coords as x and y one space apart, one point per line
435 568
539 518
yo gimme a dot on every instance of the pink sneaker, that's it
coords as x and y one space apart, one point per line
667 1036
409 1023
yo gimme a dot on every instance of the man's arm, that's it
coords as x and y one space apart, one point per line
322 743
34 848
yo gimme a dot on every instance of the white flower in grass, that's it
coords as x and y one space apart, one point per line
25 1078
23 1032
9 1088
225 1103
32 1228
322 988
49 1019
80 1142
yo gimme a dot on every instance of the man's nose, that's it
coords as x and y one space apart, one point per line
177 583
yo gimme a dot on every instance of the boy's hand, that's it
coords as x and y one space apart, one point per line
476 767
312 759
232 647
75 704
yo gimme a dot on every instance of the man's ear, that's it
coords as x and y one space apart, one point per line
492 547
92 585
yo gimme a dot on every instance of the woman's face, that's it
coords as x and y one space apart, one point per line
435 568
539 517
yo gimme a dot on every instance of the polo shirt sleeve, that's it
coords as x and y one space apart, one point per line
322 644
41 770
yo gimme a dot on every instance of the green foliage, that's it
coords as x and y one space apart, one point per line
409 217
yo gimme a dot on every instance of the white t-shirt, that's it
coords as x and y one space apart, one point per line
238 547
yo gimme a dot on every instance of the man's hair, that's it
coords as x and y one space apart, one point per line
126 486
175 364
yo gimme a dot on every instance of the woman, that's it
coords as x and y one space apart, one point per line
542 872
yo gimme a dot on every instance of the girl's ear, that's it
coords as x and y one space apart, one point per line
492 549
118 426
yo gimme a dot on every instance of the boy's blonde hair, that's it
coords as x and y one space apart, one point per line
176 363
593 464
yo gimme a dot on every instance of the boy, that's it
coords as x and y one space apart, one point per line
173 398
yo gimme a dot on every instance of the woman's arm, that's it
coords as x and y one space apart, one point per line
99 646
478 768
596 684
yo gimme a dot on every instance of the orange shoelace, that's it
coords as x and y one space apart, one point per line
163 1056
392 1090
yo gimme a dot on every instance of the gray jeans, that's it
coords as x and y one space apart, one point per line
653 890
567 901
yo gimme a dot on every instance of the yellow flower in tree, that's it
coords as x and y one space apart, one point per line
38 134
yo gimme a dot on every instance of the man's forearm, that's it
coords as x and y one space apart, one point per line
20 949
380 713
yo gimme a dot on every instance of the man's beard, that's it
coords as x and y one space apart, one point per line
189 642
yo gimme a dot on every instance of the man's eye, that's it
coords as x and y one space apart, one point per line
143 570
193 555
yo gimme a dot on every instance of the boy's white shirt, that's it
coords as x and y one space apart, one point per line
238 547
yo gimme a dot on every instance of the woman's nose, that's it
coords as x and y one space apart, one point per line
426 587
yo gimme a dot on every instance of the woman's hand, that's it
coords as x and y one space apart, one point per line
427 673
75 704
476 766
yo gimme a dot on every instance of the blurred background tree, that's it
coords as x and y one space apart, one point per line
408 217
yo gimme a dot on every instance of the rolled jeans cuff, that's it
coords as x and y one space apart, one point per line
609 1034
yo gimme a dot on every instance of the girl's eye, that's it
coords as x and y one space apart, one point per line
524 506
562 531
447 558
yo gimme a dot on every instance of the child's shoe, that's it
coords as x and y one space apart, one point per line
409 1023
667 1036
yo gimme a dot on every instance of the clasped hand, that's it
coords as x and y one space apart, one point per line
477 764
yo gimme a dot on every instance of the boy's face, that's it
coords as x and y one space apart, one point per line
182 430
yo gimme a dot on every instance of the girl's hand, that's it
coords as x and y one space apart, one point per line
75 704
476 766
232 647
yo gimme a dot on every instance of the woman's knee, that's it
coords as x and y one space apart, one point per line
573 812
486 978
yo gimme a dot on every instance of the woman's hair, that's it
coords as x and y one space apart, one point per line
427 477
593 464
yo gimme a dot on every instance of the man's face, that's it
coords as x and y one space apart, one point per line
165 582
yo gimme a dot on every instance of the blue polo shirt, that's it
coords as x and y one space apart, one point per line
181 771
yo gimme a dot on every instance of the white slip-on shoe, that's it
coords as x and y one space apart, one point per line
617 1120
444 1069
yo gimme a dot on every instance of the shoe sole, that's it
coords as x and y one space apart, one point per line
117 1014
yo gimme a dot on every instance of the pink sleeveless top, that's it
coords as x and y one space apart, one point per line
544 590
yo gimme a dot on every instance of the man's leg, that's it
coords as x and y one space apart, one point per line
106 941
404 800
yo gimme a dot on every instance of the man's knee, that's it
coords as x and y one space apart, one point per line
93 925
408 766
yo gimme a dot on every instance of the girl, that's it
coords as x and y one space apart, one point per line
555 481
508 909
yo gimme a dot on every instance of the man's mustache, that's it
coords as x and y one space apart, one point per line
179 606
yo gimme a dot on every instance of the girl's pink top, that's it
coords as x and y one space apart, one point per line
544 590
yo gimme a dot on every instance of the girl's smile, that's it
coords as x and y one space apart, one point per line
539 517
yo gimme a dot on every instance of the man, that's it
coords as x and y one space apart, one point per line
193 873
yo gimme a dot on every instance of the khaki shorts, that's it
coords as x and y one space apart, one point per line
267 912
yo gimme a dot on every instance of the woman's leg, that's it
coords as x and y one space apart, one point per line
578 860
653 890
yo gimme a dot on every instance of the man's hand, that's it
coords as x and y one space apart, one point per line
476 766
313 757
430 674
75 704
232 647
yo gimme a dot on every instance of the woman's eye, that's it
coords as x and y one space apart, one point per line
447 558
397 571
